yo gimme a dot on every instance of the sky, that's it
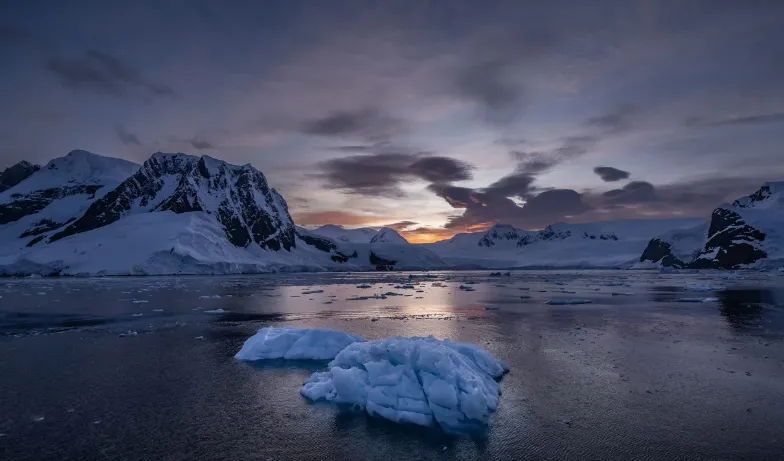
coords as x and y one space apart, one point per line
431 117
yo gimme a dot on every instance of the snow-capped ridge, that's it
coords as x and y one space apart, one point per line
388 235
237 196
749 232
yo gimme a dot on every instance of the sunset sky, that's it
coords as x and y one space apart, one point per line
434 117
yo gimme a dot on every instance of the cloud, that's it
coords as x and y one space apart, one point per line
346 218
482 208
381 174
491 89
427 234
103 73
201 144
618 122
776 117
532 163
634 192
129 139
401 226
610 174
366 123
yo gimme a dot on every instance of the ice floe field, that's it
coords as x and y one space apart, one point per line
422 365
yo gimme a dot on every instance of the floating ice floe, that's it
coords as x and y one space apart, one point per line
703 288
565 302
423 381
295 344
697 300
215 311
362 298
210 297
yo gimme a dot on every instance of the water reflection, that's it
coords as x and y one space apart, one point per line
752 310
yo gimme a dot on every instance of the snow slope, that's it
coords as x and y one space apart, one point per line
421 381
387 235
600 244
54 195
339 233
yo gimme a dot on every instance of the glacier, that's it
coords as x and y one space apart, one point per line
295 344
414 380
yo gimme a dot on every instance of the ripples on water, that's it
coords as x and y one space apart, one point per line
642 371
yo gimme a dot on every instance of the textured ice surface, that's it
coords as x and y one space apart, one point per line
295 344
422 381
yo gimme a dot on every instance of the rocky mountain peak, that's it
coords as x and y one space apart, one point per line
237 196
15 174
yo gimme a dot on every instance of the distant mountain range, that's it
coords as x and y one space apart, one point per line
85 214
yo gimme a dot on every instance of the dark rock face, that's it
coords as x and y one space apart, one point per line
523 238
733 241
15 174
321 243
239 197
43 226
659 250
760 195
381 263
499 233
27 204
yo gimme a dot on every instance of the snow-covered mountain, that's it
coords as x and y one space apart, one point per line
749 232
600 244
15 174
340 233
237 196
387 235
50 197
176 213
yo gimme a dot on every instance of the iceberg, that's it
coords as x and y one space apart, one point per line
423 381
295 344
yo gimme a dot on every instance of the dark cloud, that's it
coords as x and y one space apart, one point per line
103 73
440 169
610 174
401 226
201 144
634 192
514 185
617 122
489 86
381 174
776 117
366 123
483 208
129 139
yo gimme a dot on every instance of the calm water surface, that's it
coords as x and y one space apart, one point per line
143 368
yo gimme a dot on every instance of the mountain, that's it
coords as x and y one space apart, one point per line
15 174
237 196
387 235
176 214
335 232
600 244
749 232
52 196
